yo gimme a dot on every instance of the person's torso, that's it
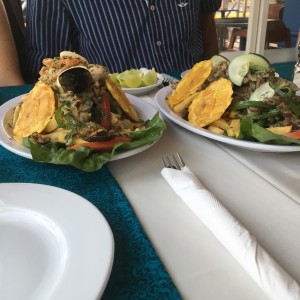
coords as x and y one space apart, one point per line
139 33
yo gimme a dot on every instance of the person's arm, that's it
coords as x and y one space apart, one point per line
209 34
10 73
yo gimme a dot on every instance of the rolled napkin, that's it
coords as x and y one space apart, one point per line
273 280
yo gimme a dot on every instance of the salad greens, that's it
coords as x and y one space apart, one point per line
87 159
253 132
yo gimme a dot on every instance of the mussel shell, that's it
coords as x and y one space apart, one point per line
101 136
76 79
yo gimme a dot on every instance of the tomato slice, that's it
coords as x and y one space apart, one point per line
295 135
105 108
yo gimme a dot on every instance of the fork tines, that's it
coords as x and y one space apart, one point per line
168 81
165 82
176 162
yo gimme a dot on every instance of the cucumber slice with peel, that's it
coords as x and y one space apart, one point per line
240 66
262 92
216 59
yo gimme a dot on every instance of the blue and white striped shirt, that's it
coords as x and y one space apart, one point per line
120 34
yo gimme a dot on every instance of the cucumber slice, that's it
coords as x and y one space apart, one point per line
216 59
262 92
240 65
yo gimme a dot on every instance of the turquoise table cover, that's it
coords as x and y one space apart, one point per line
285 70
137 271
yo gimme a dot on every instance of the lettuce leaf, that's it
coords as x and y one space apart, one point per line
252 132
87 159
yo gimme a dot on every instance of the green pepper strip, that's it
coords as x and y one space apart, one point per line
59 113
65 120
249 103
278 85
73 123
286 92
266 115
69 137
294 107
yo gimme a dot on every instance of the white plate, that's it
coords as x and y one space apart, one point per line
54 244
160 100
184 73
145 110
142 90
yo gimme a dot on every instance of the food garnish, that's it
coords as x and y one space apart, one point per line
242 99
134 78
211 103
35 112
77 115
190 83
122 100
239 67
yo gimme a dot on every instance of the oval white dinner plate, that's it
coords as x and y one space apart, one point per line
144 109
160 100
142 90
54 244
184 73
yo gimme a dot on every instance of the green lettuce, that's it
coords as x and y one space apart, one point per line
87 159
252 132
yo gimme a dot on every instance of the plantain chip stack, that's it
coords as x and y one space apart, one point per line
122 100
35 112
189 85
211 103
201 106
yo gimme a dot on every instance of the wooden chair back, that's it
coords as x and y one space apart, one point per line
275 10
277 32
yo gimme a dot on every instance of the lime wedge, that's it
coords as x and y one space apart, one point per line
150 77
130 78
134 78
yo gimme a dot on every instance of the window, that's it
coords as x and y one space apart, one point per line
257 26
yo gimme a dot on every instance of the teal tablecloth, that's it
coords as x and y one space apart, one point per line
137 271
285 70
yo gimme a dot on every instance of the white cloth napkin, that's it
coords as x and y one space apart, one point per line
273 280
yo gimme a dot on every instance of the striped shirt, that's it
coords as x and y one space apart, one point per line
120 34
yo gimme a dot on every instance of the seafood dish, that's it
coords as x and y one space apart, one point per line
242 99
75 114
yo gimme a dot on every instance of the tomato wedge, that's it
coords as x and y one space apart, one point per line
102 146
295 135
105 108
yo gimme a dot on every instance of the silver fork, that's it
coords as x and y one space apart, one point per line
175 163
168 81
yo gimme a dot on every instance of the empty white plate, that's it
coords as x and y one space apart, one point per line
54 244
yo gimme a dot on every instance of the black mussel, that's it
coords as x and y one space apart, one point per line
101 136
76 79
40 139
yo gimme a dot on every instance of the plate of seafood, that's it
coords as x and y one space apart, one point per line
241 103
75 114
